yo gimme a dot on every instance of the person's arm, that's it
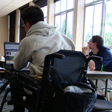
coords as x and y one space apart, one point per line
20 61
91 63
86 50
21 58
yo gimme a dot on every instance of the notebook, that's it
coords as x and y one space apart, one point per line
10 49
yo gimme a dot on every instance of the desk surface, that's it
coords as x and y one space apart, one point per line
4 75
99 75
90 74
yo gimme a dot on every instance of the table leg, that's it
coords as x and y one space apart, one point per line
96 84
93 84
106 85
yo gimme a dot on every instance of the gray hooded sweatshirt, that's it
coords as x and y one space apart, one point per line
41 39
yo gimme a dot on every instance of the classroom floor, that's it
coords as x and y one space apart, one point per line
6 108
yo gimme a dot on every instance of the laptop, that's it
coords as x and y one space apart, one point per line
10 49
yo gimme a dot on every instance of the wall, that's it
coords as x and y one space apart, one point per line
3 33
78 24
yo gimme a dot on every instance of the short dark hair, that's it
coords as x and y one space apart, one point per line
98 40
32 14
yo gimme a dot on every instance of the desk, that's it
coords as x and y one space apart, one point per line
100 75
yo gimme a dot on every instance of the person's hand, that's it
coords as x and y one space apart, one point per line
86 50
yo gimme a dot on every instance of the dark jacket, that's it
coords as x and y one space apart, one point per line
106 54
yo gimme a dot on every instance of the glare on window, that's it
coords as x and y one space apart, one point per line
63 20
70 24
45 11
45 20
57 22
108 24
64 16
97 19
88 1
63 5
88 24
70 4
57 7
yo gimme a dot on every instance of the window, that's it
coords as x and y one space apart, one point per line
44 9
108 24
98 20
89 1
64 16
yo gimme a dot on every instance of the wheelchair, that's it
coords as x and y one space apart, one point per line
61 69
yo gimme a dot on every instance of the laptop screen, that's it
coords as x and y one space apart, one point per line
10 49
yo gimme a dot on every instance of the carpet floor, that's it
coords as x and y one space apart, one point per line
6 108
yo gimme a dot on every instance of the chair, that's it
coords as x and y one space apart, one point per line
61 69
106 90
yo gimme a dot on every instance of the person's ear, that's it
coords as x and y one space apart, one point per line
95 43
28 24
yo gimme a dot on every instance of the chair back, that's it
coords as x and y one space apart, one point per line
70 69
63 67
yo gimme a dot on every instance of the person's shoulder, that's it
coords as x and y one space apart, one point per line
105 49
69 41
25 42
28 39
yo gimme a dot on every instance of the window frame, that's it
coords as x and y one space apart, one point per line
43 8
103 18
64 12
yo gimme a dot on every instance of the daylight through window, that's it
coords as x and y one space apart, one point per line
64 17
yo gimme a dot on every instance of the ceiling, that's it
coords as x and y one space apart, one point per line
7 6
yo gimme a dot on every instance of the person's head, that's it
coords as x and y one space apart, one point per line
95 42
31 15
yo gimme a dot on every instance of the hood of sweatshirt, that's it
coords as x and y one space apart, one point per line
41 28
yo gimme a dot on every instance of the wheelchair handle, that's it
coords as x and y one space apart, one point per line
95 58
55 55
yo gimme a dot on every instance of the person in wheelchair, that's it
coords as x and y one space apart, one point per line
41 39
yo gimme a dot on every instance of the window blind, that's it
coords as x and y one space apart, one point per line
56 0
41 3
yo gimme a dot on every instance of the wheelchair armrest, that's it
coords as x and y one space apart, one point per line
54 55
57 55
100 59
95 58
28 79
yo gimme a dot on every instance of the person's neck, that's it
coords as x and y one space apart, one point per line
95 51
